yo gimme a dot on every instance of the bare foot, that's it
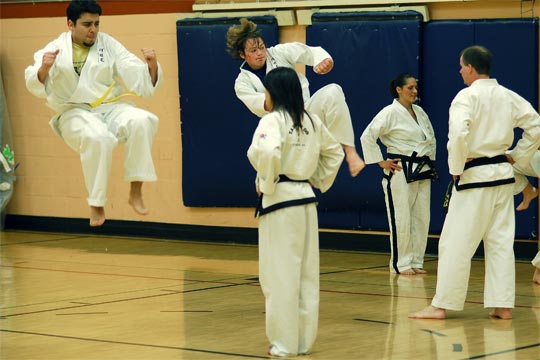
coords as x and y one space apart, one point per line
529 194
430 312
501 313
135 198
407 272
355 162
97 215
536 276
419 271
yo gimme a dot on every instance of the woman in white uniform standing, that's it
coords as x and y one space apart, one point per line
291 151
328 103
406 131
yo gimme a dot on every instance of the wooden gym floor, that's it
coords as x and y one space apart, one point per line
66 296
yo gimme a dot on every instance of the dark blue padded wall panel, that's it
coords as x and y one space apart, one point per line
369 49
440 83
216 127
514 44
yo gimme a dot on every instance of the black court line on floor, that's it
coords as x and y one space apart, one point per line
366 268
136 344
121 300
504 352
186 311
44 241
433 332
375 321
85 313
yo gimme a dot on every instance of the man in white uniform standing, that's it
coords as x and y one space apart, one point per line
482 119
77 75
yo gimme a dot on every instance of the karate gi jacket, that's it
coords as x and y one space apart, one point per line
278 149
250 89
481 124
108 65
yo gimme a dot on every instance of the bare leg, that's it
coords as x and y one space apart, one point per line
97 215
355 162
536 276
501 313
430 312
529 194
135 198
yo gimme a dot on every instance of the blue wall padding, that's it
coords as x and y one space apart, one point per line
514 44
369 49
216 127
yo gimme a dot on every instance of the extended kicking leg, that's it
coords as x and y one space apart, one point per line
529 194
355 162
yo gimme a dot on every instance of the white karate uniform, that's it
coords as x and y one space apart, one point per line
288 236
328 102
536 260
94 130
407 204
482 119
522 171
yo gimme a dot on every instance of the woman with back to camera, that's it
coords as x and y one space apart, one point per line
291 151
406 131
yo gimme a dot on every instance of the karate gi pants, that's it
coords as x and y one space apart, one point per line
474 215
94 133
532 168
328 103
408 211
536 260
289 277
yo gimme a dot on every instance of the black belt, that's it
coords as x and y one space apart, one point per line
499 159
422 161
282 178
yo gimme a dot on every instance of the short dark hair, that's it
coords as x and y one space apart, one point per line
399 81
479 57
78 7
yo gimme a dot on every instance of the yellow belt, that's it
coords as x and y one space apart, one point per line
101 99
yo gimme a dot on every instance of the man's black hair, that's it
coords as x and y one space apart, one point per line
78 7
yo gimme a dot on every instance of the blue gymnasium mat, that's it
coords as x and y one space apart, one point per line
369 49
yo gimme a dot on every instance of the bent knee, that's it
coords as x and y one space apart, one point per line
334 90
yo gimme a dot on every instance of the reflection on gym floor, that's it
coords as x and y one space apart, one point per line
66 296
